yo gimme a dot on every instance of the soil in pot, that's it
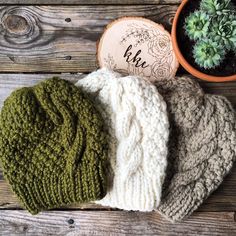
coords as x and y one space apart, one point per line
226 68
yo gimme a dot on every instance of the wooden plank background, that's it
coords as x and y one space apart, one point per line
114 223
62 38
89 2
40 39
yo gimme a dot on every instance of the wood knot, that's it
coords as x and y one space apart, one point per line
16 24
171 19
20 25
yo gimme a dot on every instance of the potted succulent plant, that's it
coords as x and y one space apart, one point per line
204 38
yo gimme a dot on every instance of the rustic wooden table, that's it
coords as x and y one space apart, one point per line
42 38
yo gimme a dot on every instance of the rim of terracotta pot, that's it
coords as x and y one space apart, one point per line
184 62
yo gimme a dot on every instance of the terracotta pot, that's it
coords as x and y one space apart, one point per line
183 61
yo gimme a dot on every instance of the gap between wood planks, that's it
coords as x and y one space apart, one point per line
87 2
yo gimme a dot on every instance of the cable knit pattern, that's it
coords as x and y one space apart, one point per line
202 146
137 122
52 146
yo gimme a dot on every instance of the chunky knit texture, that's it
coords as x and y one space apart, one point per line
52 146
202 145
137 122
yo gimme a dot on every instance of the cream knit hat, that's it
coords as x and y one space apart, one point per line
137 122
202 145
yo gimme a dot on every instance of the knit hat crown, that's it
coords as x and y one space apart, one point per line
137 122
52 146
201 146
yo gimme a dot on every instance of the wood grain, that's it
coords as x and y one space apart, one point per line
10 82
113 223
223 199
62 38
86 2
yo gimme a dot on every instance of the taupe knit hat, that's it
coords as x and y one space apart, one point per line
202 145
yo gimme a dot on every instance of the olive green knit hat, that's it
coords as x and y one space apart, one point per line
52 146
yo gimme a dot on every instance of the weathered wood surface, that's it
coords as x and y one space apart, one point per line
62 38
10 82
224 199
46 36
113 223
90 2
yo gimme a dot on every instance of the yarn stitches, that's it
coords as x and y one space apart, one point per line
52 146
138 126
201 147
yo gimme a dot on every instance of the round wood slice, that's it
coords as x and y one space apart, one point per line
137 46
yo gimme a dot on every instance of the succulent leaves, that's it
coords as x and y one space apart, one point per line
196 25
215 6
213 28
223 30
208 54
